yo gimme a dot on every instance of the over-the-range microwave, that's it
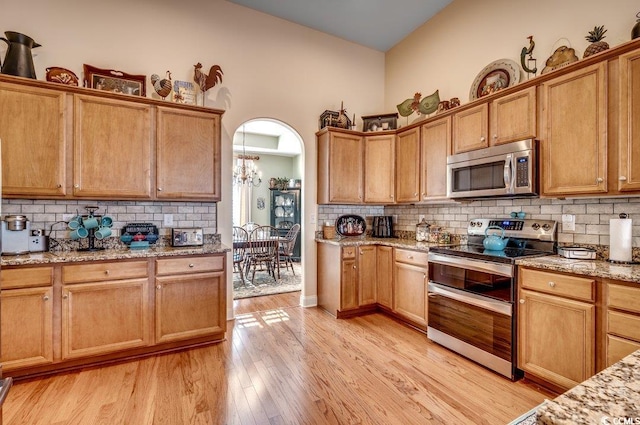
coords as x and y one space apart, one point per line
503 170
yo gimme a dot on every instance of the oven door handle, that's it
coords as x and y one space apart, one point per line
473 299
471 264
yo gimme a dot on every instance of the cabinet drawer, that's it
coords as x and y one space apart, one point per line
618 348
624 325
27 277
552 283
180 265
412 257
96 272
349 252
623 297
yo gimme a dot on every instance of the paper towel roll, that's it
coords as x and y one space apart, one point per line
620 235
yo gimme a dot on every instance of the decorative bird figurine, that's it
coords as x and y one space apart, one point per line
207 81
162 87
407 107
425 106
528 51
429 104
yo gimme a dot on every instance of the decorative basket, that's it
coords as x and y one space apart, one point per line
328 232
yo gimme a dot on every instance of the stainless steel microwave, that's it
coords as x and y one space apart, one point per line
504 170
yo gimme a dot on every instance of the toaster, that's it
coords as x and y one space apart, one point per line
187 236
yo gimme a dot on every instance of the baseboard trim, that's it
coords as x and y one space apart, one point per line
311 301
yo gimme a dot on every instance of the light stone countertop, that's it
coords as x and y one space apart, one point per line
394 242
608 397
594 268
53 257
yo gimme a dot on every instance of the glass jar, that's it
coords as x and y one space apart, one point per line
445 238
434 234
422 231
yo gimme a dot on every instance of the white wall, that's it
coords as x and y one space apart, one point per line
272 68
448 51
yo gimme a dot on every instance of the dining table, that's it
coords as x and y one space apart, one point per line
270 240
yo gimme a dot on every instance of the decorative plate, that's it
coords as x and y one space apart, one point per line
55 74
350 225
279 212
495 76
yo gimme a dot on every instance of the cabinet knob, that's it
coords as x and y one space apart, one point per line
46 298
158 287
361 253
65 296
495 136
599 180
410 257
391 196
106 271
159 189
521 301
552 284
76 185
482 139
354 266
59 186
191 265
622 178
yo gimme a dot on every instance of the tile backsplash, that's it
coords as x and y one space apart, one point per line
591 215
46 214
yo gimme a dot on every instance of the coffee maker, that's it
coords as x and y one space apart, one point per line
382 226
16 230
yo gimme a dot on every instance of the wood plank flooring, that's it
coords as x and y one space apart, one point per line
283 364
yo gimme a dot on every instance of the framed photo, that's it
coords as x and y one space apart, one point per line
184 92
380 122
115 81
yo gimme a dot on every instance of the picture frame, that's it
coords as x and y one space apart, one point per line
114 81
380 122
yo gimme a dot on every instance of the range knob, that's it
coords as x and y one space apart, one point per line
546 227
535 226
472 224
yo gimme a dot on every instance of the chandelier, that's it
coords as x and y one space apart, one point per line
244 173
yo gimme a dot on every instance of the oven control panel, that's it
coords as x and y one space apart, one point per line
514 227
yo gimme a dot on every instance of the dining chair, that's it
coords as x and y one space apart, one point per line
285 249
263 251
240 239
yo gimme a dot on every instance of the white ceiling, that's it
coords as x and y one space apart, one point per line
378 24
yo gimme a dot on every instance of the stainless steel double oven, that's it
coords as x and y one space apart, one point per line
471 308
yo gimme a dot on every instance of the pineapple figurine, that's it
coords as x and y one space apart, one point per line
597 45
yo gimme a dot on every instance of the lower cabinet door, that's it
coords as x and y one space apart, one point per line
409 293
190 306
28 341
100 318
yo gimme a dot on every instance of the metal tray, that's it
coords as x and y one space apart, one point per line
577 253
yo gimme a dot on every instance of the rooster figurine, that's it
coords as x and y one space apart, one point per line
162 87
207 81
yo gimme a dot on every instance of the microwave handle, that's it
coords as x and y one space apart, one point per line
509 171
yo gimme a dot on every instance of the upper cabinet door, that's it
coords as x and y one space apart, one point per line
32 130
470 129
574 133
112 148
379 169
408 165
513 117
340 168
629 124
188 155
436 145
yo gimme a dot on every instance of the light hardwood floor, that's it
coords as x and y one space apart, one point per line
283 364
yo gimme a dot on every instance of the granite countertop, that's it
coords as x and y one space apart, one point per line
595 268
394 242
606 398
53 257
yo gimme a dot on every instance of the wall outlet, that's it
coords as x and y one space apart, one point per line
168 219
312 219
568 222
420 218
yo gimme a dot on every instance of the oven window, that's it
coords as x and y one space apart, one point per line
479 177
487 330
482 283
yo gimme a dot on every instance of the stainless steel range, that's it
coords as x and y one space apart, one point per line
472 291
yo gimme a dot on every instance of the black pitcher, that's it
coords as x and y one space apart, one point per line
18 60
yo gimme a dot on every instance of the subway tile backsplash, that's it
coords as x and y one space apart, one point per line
44 213
591 215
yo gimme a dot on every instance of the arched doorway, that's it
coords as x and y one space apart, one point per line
268 166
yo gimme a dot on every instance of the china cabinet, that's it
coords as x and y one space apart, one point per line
285 212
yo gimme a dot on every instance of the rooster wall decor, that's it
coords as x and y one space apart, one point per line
162 86
207 81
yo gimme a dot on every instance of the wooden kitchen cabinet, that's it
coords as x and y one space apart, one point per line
384 271
435 147
349 279
379 169
367 275
112 297
470 129
34 141
513 117
408 170
556 327
574 120
340 167
26 317
188 155
629 122
622 320
410 286
112 148
190 298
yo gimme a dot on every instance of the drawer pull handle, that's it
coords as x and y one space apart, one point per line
191 265
552 284
46 298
